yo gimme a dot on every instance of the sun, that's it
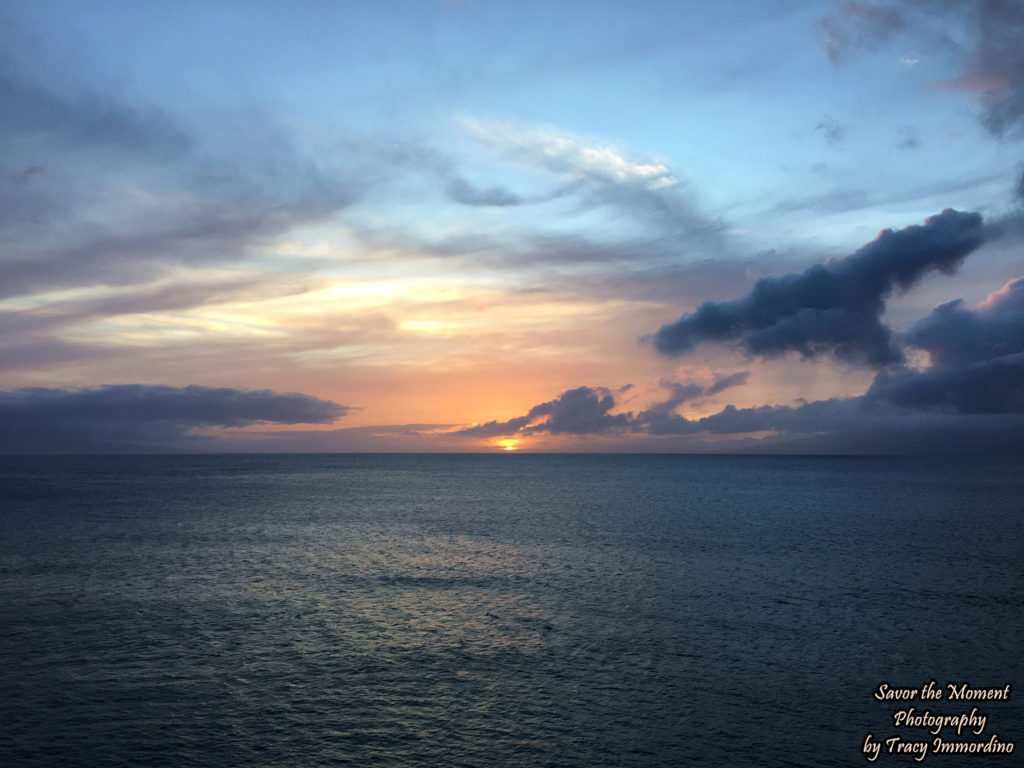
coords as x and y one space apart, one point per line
510 444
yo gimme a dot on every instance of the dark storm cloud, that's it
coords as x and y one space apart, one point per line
977 358
831 308
55 420
976 407
955 335
585 411
809 417
970 400
896 402
911 435
977 373
580 411
986 386
976 378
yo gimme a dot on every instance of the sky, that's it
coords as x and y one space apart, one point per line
473 225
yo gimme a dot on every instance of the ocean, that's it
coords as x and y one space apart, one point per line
505 610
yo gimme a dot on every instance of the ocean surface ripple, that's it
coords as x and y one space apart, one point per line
512 610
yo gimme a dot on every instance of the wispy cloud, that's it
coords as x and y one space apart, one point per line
570 155
155 194
152 298
995 64
991 56
90 120
854 25
602 175
833 131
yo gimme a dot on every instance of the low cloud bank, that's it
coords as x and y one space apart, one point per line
969 400
586 411
580 411
137 416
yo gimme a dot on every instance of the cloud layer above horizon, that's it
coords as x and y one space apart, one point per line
527 199
112 418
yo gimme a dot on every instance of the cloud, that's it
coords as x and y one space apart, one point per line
977 374
986 386
602 175
680 393
833 131
977 357
992 54
809 417
90 120
586 411
995 65
911 435
831 308
737 379
461 191
158 298
850 426
215 219
640 215
498 428
98 191
580 411
969 400
948 398
855 25
657 415
566 154
955 335
910 138
137 416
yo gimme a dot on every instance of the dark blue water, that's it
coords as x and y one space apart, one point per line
506 610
